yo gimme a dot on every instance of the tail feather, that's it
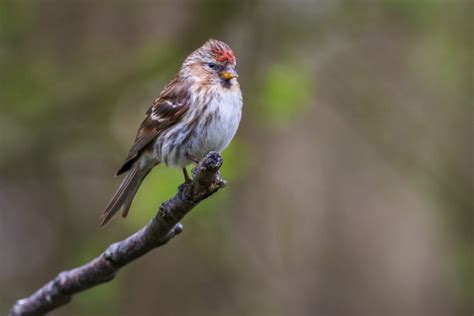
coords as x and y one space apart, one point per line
131 194
124 195
128 201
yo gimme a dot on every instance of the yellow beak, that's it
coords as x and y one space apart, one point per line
228 74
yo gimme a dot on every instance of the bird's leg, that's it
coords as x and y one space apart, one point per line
192 158
187 179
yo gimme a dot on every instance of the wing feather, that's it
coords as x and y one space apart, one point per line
165 111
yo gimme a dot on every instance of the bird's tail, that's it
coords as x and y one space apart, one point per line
123 198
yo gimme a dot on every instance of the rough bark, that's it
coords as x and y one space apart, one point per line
164 226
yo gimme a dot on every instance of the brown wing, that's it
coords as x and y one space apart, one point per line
165 111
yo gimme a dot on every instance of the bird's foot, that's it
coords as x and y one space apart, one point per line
187 179
192 158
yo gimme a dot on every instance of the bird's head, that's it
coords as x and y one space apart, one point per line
212 63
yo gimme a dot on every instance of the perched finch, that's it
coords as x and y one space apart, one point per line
198 111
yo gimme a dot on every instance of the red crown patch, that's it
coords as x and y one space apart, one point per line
224 55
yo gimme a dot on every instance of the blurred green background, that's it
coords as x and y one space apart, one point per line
350 179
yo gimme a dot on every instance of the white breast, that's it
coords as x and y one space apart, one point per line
220 110
225 112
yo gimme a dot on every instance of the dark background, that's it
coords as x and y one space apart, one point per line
350 179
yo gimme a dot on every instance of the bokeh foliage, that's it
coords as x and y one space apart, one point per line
350 180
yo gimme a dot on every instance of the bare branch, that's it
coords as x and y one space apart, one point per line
164 226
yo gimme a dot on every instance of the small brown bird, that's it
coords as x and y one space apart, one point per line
197 112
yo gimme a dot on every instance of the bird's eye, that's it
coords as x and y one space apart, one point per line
211 65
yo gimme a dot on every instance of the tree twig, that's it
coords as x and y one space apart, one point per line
164 226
